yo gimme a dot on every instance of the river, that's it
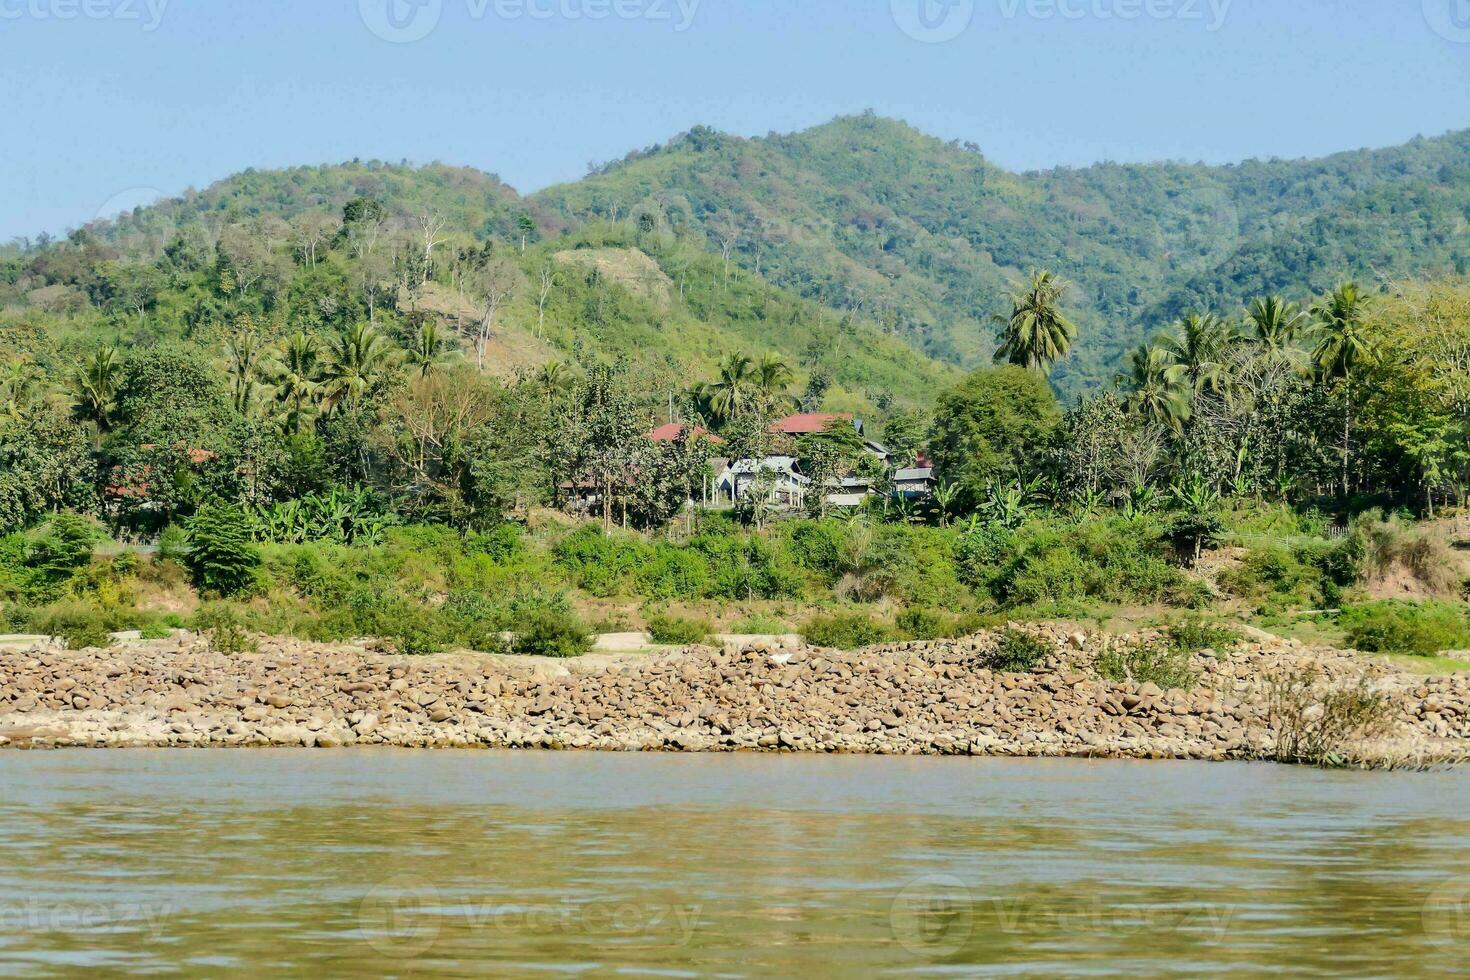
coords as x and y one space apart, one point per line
335 863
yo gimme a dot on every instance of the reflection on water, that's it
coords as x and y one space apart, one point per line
335 863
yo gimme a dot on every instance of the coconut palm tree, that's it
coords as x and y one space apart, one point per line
18 384
1159 386
728 396
772 377
428 349
554 379
242 357
1199 344
297 377
1036 334
1345 347
359 356
1276 326
94 389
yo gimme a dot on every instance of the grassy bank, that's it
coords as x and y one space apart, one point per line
841 583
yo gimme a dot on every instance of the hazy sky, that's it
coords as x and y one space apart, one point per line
111 102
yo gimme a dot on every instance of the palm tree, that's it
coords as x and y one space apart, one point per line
1345 346
772 377
730 393
554 379
297 378
1199 345
242 354
428 348
358 357
1036 334
18 383
1276 324
94 389
1159 386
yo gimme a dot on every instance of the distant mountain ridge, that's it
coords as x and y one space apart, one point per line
870 216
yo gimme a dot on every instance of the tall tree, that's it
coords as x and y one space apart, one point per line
94 389
773 376
1345 346
729 395
1199 344
242 360
297 378
1277 326
359 356
1158 385
428 349
1036 334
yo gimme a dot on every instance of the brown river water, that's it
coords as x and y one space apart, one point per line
367 863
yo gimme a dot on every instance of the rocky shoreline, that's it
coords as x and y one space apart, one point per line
912 698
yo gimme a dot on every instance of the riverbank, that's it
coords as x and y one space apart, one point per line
914 698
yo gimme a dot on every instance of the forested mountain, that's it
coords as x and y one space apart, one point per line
867 213
859 228
265 255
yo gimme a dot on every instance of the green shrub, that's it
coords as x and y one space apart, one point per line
1406 627
930 624
157 631
760 624
476 621
667 628
1199 634
817 545
64 547
224 627
414 629
982 557
1163 664
173 544
78 626
124 563
1016 652
601 564
549 628
673 573
845 631
221 557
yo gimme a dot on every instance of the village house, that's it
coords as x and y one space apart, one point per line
914 482
786 486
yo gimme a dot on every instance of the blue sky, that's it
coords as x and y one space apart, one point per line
112 101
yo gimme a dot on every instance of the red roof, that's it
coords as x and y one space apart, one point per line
675 431
808 423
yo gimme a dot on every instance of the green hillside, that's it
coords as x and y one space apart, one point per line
844 247
869 214
268 254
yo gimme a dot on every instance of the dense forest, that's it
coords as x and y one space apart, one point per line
868 214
